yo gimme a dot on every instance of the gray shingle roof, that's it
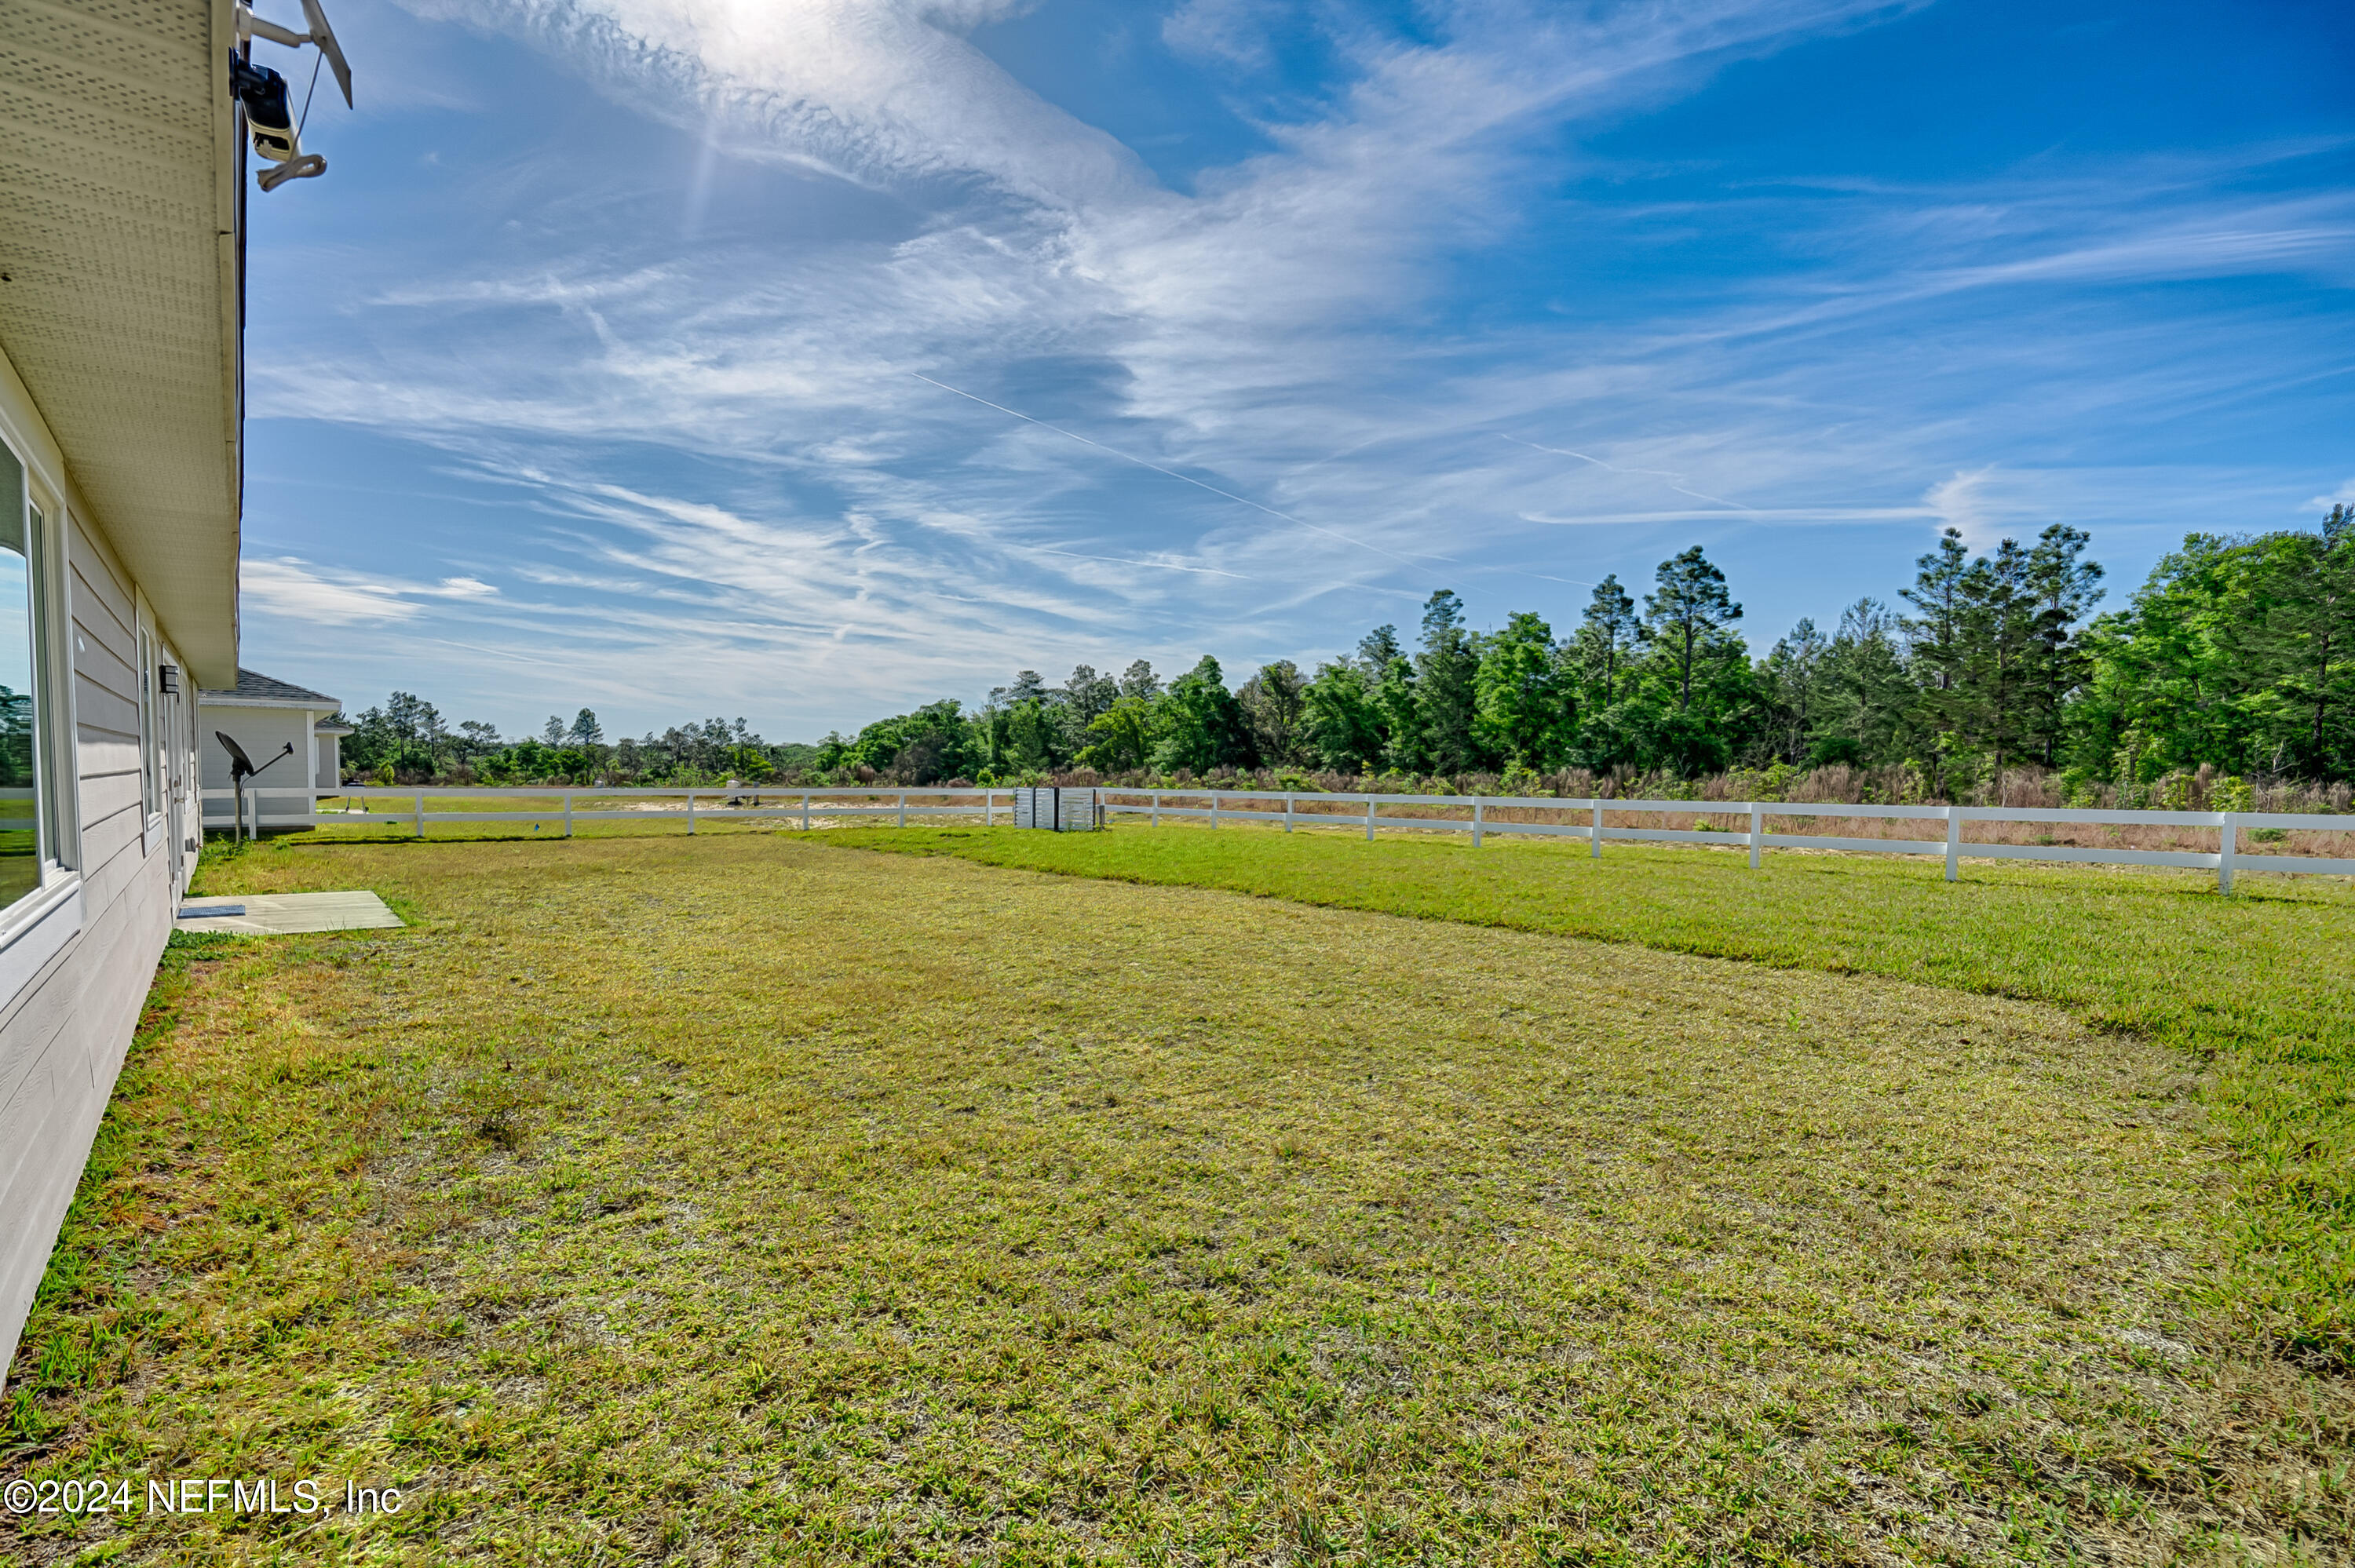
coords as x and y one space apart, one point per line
253 686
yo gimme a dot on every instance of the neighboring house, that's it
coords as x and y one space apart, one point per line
267 717
121 245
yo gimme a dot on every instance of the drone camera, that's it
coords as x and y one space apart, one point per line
261 93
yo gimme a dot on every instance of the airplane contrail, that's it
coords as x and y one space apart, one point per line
1614 467
1123 561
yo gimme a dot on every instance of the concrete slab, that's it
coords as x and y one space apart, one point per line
284 914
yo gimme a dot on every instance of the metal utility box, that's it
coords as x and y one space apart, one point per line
1058 809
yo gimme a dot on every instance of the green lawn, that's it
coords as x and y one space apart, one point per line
2259 987
755 1198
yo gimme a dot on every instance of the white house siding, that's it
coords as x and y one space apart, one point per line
120 390
64 1035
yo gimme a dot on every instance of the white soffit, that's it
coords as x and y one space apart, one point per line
118 237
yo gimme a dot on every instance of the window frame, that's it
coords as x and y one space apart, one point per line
56 837
53 665
150 796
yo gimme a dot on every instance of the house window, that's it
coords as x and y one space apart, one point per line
149 799
27 816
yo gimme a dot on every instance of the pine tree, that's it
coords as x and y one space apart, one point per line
1377 647
1939 639
2309 637
1445 700
1999 632
1604 640
1868 695
2062 586
1085 697
1795 673
1688 612
1087 694
1138 681
1937 593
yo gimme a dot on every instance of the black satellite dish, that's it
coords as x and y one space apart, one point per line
241 767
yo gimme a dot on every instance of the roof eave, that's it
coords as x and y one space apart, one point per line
221 700
228 225
124 319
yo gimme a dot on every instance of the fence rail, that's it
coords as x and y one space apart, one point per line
1272 807
718 801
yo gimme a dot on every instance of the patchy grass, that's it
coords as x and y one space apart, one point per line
748 1199
2259 987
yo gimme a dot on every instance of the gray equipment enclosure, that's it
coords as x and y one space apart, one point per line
1058 809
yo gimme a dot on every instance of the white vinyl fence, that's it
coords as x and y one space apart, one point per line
1269 806
1586 818
706 803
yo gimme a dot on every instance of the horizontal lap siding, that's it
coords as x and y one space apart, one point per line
27 1035
101 603
63 1039
69 1088
101 709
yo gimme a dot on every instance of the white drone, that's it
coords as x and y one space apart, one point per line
277 135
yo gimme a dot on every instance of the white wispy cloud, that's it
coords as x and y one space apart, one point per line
291 586
876 89
2342 496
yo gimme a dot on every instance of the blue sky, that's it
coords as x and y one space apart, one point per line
809 359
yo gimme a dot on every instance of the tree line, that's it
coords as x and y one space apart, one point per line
405 740
2237 657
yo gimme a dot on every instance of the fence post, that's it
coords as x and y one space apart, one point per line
691 810
1214 808
903 808
804 810
1370 819
421 812
1475 822
1594 833
1287 810
1757 826
568 813
2224 855
1954 842
989 808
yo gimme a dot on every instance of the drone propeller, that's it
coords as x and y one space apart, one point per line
249 26
325 37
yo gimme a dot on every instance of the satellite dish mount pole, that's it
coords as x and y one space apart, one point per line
241 768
